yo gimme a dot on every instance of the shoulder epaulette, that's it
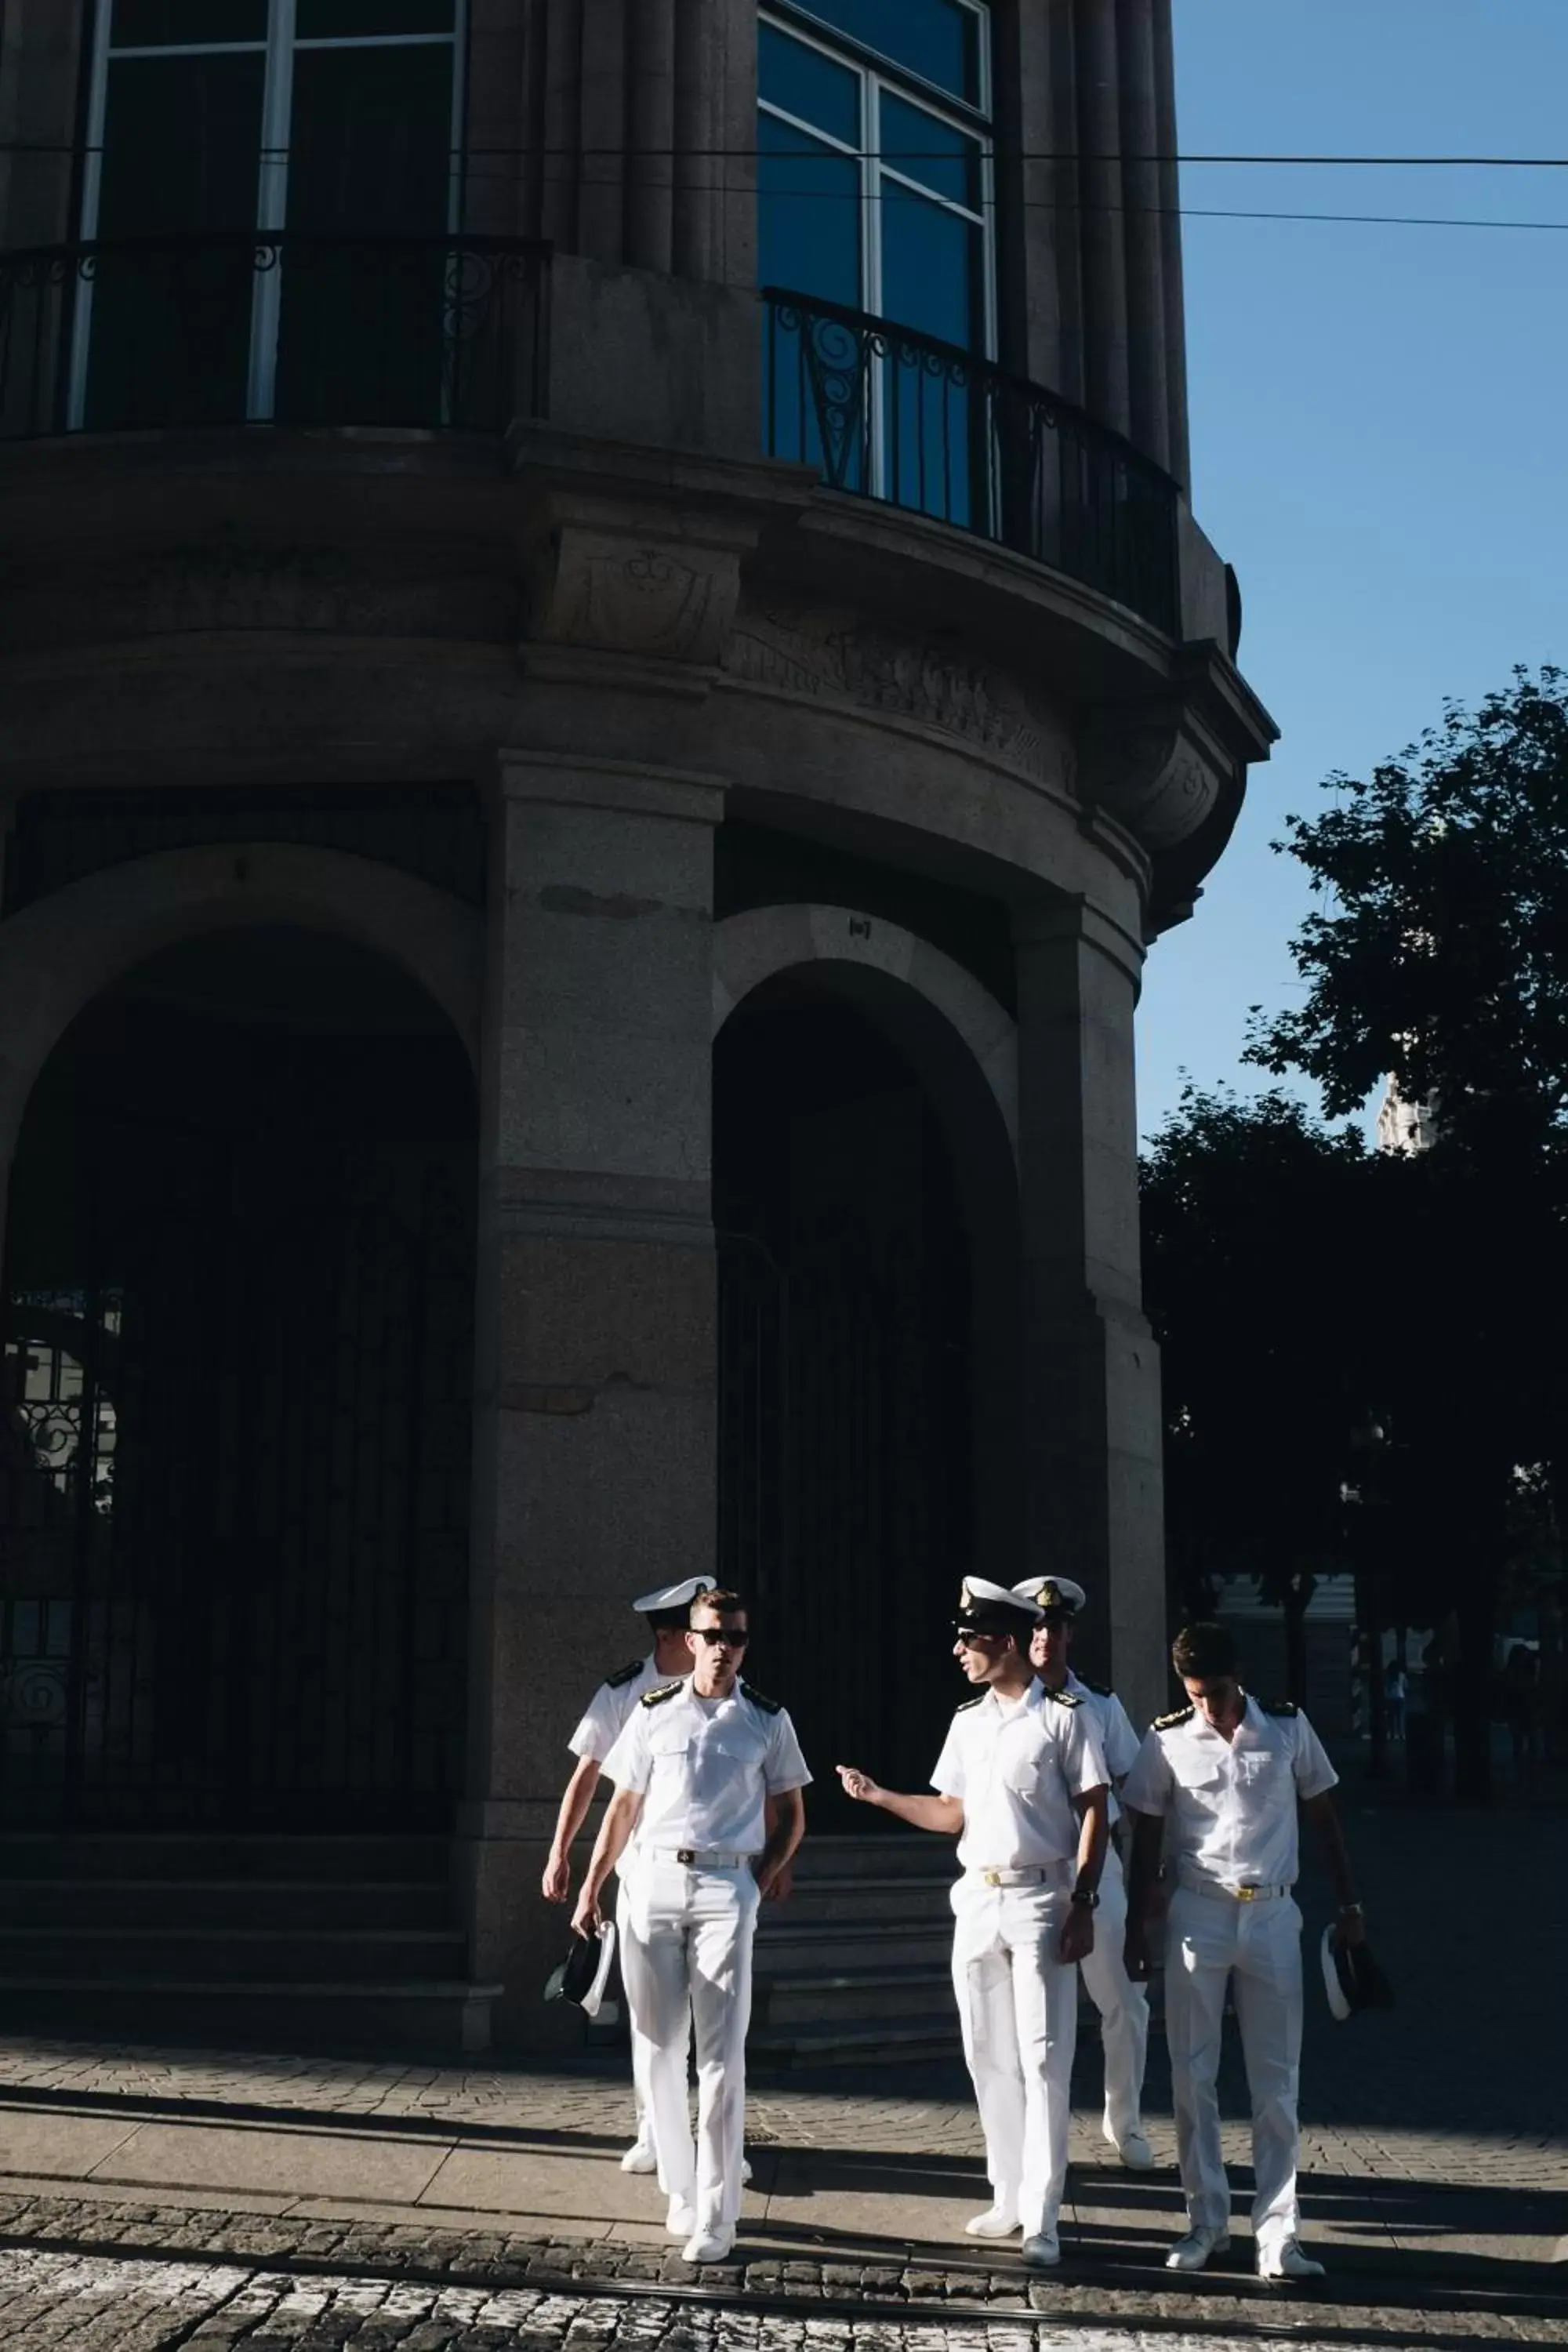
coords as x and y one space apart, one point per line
1100 1690
1281 1707
965 1704
768 1706
1161 1722
1062 1698
657 1698
622 1675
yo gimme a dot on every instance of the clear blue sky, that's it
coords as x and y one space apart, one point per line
1380 422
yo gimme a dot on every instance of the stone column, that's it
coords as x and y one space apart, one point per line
1092 1438
595 1422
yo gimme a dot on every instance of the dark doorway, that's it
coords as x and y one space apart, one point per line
235 1443
846 1504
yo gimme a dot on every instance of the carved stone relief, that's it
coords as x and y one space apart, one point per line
839 655
1159 781
621 595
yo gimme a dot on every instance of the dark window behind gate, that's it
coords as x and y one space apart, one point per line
235 1442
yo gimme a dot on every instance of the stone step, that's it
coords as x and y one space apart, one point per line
80 1854
795 1948
897 1896
902 1853
436 2016
826 1997
212 1903
289 1956
933 2035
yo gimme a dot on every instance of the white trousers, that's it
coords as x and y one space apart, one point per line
1123 2007
1017 2004
626 1929
1257 1946
686 1965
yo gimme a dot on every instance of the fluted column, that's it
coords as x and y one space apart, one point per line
1148 400
637 123
1103 233
1179 459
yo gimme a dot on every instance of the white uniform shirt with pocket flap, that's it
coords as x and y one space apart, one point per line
1232 1803
703 1769
1015 1771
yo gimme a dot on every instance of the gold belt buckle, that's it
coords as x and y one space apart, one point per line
992 1877
1247 1894
687 1853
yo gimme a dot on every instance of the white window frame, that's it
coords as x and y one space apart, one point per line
877 75
280 46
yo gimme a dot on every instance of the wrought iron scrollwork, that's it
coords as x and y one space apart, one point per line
891 414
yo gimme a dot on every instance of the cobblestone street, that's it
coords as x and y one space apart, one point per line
160 2198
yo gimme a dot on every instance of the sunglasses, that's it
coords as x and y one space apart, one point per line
714 1634
971 1637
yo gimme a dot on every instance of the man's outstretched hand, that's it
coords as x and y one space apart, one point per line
857 1784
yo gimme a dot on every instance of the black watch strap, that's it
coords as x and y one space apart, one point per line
1089 1902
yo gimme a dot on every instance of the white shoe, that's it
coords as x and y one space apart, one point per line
1191 2252
708 2246
1000 2222
1135 2151
745 2174
1286 2261
1043 2252
681 2218
639 2156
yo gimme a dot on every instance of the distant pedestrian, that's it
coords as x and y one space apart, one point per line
1521 1710
1395 1689
1221 1778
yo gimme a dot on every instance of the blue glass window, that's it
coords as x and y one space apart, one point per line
940 40
159 24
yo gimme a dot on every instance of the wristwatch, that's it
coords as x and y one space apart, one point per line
1090 1901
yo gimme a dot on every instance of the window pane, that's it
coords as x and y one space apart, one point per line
808 215
807 84
148 24
932 265
362 332
171 328
935 38
814 380
327 19
931 151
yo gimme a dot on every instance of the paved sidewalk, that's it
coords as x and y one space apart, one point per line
1436 2145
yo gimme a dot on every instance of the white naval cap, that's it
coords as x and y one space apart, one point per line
1059 1593
979 1601
672 1596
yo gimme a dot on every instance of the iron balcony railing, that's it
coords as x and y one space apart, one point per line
927 425
434 332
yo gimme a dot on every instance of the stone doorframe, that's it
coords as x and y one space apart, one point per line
751 948
61 951
963 1047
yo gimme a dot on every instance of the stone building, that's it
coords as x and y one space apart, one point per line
606 676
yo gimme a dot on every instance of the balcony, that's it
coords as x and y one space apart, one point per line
891 414
432 333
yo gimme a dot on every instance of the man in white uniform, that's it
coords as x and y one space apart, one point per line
694 1771
1123 2006
668 1614
1021 1784
1219 1782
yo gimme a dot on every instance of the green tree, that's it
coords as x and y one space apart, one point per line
1441 957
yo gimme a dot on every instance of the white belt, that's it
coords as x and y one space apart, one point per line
695 1858
1219 1893
1032 1873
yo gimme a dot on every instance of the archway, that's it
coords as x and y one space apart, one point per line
234 1448
866 1204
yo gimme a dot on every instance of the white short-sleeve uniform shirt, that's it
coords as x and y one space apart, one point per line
1231 1803
608 1708
1015 1771
704 1766
1119 1743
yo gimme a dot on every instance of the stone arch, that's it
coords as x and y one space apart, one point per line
749 948
58 953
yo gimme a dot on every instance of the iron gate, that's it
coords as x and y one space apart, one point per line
234 1494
